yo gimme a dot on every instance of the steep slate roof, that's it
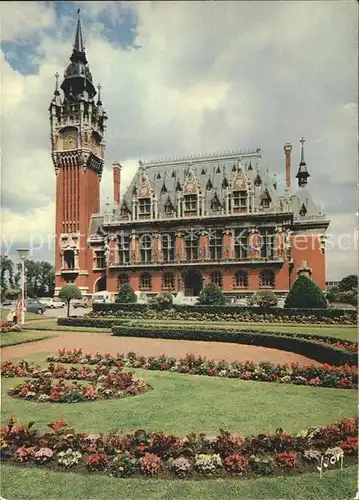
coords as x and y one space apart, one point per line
213 173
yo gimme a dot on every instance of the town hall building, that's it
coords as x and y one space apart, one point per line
182 222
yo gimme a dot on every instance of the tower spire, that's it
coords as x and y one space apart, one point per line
302 174
78 54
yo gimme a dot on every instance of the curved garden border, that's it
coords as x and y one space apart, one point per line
345 377
104 383
154 454
319 351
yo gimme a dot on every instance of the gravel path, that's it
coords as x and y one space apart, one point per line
102 342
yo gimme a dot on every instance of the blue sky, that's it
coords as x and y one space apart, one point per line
186 77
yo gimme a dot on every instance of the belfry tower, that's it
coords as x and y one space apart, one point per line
77 122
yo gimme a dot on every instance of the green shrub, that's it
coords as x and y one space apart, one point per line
348 283
263 298
212 295
162 301
306 294
126 294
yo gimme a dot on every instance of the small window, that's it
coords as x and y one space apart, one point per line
145 242
240 200
241 279
168 281
217 278
144 205
303 211
267 279
190 203
100 261
145 281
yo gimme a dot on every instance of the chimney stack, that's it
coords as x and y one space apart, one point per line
116 169
288 173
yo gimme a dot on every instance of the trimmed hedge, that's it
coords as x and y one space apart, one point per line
248 312
318 351
109 322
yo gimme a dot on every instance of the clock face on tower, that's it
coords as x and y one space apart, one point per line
69 140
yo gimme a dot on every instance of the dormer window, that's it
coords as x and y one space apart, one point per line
215 203
163 189
144 206
209 185
266 199
190 203
225 183
240 200
169 208
178 186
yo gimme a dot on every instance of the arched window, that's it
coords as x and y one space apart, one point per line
217 278
241 279
168 281
145 281
122 279
69 259
267 279
145 242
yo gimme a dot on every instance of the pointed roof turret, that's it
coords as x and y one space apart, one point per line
78 53
78 74
302 174
57 99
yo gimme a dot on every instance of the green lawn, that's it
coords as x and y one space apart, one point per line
14 338
182 403
28 315
20 483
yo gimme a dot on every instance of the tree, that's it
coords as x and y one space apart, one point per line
348 283
126 295
263 298
162 301
212 295
305 294
68 293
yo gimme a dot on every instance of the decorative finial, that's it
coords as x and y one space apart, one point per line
57 76
302 161
99 94
302 174
78 13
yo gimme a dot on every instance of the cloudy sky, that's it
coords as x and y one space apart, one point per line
182 77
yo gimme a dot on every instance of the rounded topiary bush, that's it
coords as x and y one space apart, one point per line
212 295
305 294
126 294
162 301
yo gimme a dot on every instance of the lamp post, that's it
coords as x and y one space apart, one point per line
22 253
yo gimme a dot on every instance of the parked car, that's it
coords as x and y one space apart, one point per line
52 302
35 306
79 303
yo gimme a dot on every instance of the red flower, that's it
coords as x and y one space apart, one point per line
56 425
286 460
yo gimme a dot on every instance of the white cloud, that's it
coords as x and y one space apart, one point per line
19 20
207 76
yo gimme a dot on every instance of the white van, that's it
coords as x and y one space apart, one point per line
103 297
52 302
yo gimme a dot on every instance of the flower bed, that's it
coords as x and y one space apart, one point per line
345 377
105 383
159 454
8 327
